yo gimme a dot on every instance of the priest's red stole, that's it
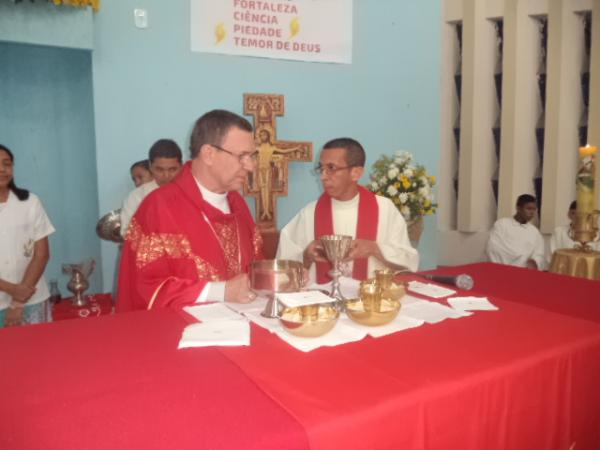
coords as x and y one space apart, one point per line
366 228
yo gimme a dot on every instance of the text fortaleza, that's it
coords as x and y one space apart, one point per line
250 19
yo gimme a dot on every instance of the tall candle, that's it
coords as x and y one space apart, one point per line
585 179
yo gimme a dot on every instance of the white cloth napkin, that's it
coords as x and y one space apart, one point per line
472 304
341 333
217 333
219 326
400 323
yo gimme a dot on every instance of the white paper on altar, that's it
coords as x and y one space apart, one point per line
429 289
218 326
211 312
305 30
303 298
427 311
472 304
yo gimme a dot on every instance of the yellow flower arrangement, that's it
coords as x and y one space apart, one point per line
95 4
405 183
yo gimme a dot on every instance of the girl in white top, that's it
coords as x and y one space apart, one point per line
24 251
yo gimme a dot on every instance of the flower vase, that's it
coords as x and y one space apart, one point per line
415 230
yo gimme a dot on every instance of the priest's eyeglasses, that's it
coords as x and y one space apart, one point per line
242 157
329 169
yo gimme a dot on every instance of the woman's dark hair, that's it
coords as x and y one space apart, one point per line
22 194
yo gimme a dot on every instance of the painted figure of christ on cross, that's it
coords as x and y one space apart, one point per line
270 178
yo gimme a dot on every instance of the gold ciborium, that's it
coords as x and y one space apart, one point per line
79 283
271 276
336 249
309 320
379 301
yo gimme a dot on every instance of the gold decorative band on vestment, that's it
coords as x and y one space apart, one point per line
153 246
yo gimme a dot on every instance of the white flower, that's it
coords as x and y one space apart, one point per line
403 197
408 172
424 191
402 157
383 180
405 211
393 172
374 185
391 190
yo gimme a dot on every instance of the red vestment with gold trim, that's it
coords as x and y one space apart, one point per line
177 242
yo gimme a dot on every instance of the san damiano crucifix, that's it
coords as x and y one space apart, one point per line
270 178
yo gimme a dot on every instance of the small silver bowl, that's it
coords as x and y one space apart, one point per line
270 276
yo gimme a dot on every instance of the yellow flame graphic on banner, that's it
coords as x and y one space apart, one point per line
220 32
294 27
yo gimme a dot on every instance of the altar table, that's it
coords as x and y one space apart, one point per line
97 305
525 376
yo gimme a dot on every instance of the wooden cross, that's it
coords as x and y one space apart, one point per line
270 178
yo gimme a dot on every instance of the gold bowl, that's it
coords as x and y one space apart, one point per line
372 314
310 320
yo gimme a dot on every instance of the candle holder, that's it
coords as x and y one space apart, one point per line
585 228
582 260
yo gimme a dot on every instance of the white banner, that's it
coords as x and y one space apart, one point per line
307 30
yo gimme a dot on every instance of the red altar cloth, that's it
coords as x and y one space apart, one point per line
98 305
522 377
119 382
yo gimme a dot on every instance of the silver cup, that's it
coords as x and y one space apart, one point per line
271 276
337 247
79 283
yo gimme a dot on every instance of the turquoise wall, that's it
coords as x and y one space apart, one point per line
47 120
147 84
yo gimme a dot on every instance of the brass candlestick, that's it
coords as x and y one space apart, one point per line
585 229
582 261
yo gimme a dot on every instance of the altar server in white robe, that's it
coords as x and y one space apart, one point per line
346 208
165 163
514 241
24 251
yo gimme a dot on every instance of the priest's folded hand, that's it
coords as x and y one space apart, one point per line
237 289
